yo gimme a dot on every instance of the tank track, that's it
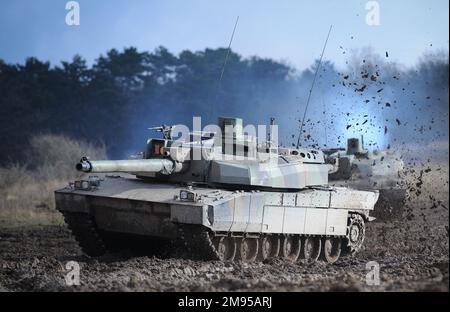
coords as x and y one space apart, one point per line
197 241
201 244
85 231
352 245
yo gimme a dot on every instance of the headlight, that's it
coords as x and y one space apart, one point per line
187 195
87 185
183 195
77 185
82 185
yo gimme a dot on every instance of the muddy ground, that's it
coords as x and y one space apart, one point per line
412 252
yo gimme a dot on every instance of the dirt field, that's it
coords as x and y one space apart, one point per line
413 254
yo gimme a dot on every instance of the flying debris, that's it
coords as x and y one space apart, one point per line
361 89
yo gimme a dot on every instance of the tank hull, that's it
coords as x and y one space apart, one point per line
131 206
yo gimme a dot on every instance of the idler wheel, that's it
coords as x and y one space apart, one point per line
331 249
269 247
291 248
225 247
311 248
248 249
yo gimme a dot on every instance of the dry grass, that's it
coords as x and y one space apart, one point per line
26 191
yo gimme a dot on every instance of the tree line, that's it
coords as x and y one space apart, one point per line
114 100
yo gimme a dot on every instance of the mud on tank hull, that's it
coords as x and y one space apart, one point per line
216 224
383 171
390 205
392 193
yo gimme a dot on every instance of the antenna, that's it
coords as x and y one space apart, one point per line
326 121
229 50
225 62
312 87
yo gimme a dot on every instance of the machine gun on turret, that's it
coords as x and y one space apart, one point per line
166 131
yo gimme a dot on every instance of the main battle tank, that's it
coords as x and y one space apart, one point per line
222 196
359 168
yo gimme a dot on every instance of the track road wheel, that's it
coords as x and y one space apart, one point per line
225 247
331 249
291 248
356 232
248 249
269 247
311 248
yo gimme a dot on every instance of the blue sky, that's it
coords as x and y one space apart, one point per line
293 31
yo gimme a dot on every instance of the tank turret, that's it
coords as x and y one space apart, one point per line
229 158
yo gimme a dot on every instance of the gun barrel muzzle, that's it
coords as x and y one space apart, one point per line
84 165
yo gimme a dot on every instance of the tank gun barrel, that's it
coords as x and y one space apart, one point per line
162 165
